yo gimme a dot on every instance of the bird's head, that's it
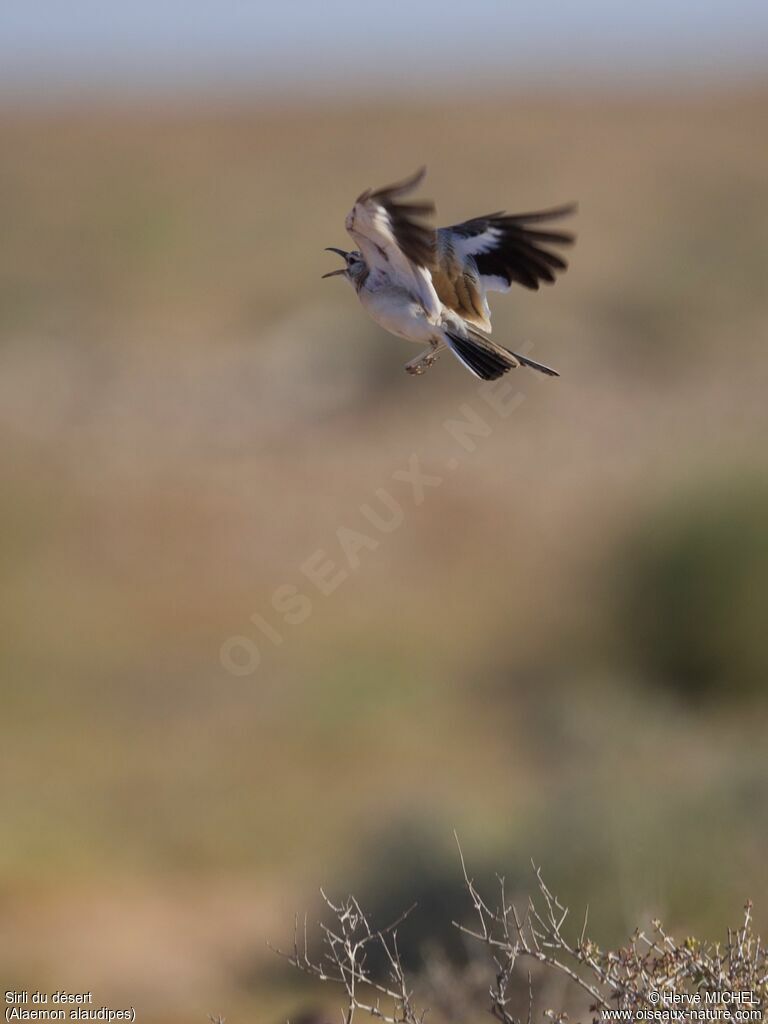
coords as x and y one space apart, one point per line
354 268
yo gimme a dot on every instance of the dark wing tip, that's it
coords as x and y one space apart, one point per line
400 188
416 239
552 213
521 253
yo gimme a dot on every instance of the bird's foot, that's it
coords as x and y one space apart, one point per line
421 364
416 369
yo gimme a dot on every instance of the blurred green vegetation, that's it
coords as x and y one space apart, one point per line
696 592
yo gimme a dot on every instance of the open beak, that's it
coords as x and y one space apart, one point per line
339 252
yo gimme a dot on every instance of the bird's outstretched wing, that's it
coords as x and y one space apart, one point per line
490 253
394 239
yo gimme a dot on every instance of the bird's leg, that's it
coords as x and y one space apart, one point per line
423 362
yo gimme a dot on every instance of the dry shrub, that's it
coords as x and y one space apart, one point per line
653 972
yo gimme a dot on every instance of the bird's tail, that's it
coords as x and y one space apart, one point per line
533 365
485 358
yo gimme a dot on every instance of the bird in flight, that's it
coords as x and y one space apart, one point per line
431 286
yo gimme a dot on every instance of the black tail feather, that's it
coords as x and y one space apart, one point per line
533 365
486 359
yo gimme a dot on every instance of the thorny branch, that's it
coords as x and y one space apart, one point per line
344 961
625 979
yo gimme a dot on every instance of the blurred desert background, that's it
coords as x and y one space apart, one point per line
560 653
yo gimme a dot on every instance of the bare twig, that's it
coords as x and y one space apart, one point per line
631 978
346 944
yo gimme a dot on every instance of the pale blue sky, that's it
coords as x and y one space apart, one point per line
309 46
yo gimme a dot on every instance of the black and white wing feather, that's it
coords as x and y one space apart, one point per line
492 253
394 239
